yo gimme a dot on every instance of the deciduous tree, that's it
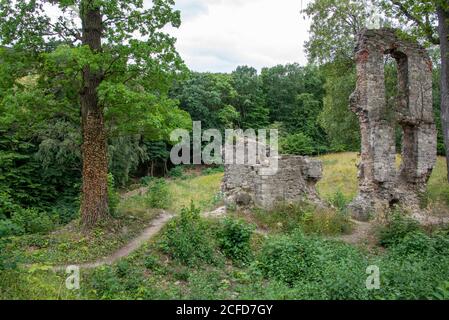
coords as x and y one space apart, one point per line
120 58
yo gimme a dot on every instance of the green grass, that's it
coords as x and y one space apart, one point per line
37 283
202 190
71 245
283 265
340 174
311 219
438 187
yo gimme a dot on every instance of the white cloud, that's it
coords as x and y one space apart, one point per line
219 35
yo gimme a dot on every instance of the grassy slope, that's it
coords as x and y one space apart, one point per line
202 190
170 280
340 174
70 245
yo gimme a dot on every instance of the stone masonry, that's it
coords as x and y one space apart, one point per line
246 185
381 184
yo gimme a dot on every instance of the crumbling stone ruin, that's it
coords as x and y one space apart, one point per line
246 185
381 184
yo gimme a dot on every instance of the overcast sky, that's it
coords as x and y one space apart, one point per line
219 35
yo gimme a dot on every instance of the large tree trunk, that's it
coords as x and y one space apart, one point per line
94 205
443 30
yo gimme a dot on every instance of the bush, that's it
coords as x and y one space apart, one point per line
158 195
176 172
234 239
7 205
441 149
297 144
27 221
319 269
187 239
151 262
9 228
311 219
415 267
396 229
339 201
7 260
66 211
442 292
283 258
105 283
209 171
146 181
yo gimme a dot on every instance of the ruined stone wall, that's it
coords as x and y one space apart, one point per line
246 185
380 184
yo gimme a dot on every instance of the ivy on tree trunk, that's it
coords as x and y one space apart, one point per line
94 205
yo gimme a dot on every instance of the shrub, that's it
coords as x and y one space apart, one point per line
65 211
326 222
158 195
7 260
283 258
187 239
298 144
9 228
415 267
319 269
209 171
7 205
396 229
234 239
176 172
113 196
146 181
339 201
123 268
311 219
32 221
441 149
442 292
105 282
151 262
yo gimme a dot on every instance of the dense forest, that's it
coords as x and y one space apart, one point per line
87 108
41 137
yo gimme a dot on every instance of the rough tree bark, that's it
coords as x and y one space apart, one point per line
443 31
94 205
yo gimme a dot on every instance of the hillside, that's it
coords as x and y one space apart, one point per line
293 252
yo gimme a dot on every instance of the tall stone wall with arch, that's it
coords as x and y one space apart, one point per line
381 184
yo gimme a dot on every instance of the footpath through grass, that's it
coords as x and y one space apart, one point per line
197 258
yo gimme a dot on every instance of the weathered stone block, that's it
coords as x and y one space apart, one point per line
295 180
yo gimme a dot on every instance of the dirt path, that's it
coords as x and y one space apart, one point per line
150 231
362 233
155 226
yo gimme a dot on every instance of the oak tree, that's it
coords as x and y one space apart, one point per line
122 57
